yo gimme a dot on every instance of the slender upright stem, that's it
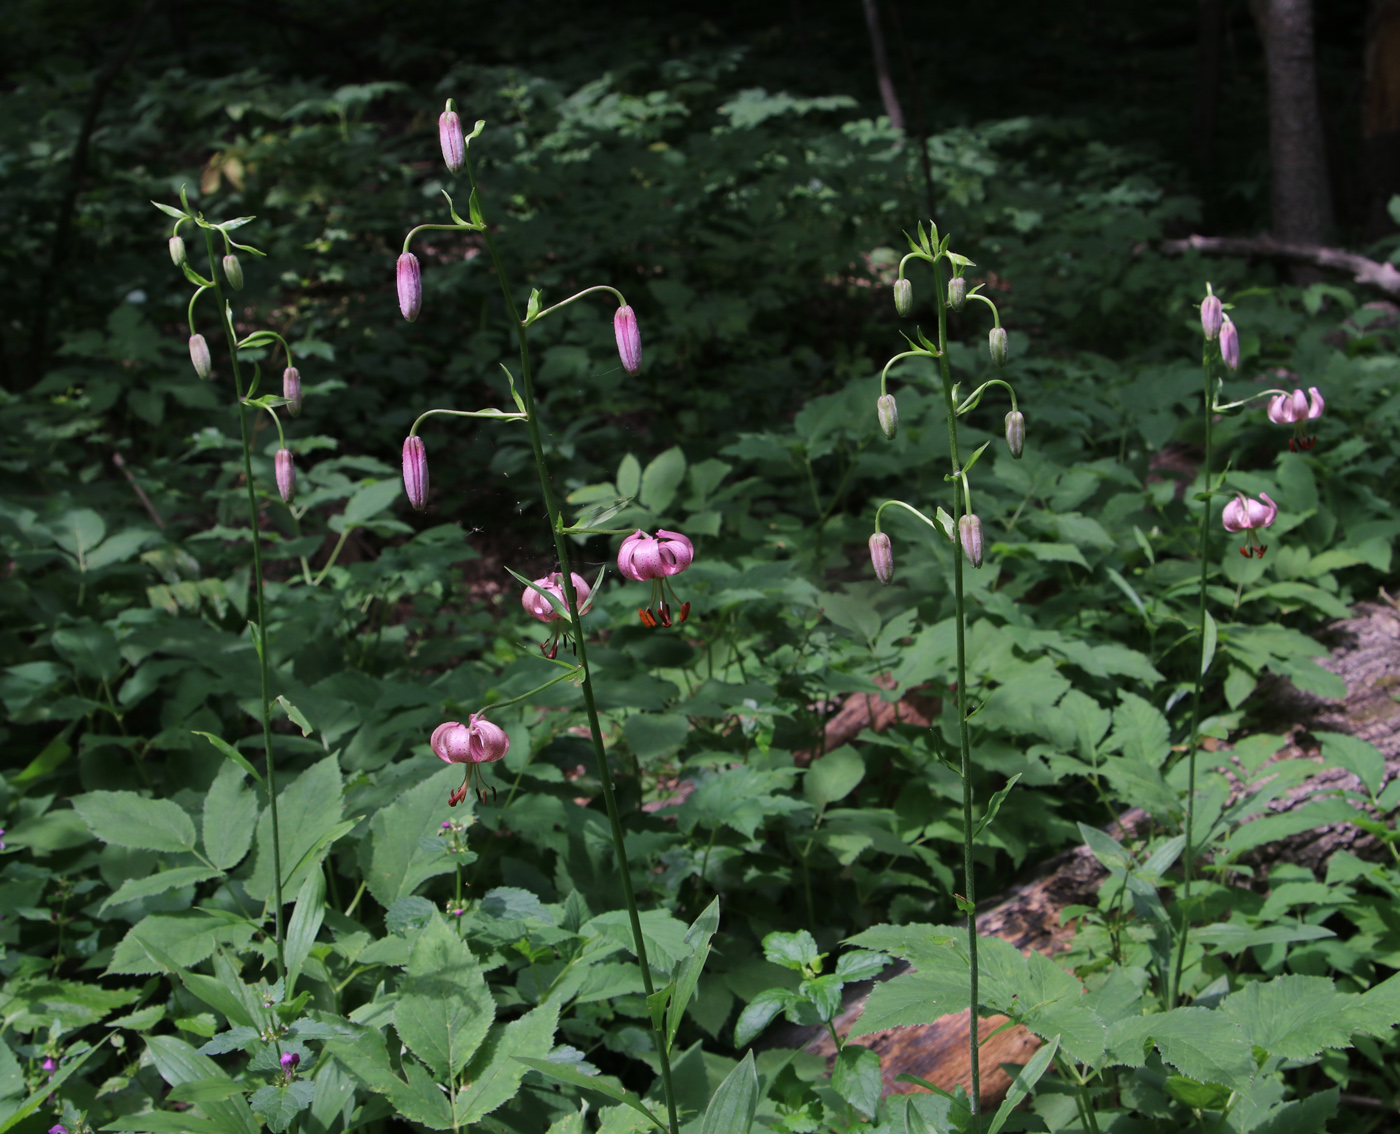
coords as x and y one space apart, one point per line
1188 852
261 628
561 548
965 744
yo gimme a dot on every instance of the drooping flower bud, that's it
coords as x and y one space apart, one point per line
415 472
882 557
177 250
1230 345
996 340
888 413
1211 316
410 286
1016 433
291 390
970 533
199 355
540 607
629 339
233 272
286 475
903 296
454 149
957 293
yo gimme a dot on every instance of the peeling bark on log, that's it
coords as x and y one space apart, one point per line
1365 652
1371 273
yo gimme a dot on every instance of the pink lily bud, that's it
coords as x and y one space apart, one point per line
903 297
454 149
1211 316
1229 344
957 293
177 250
410 286
415 472
1016 433
291 390
629 339
233 272
199 355
1245 515
286 475
882 557
970 533
888 414
540 607
996 341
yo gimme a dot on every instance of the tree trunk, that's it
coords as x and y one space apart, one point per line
1300 197
882 66
1380 116
1208 23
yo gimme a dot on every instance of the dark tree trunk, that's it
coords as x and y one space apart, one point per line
1208 25
882 66
1380 116
1300 196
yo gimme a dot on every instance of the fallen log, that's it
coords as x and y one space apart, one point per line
1371 273
1365 653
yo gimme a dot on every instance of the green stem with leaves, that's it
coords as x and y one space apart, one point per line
260 630
1188 852
561 548
964 739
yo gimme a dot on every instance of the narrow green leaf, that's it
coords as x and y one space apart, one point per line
306 922
994 805
688 972
731 1110
1021 1086
1208 645
565 1073
231 753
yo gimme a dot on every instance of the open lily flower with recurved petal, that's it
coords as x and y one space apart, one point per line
1245 515
540 607
654 559
474 743
1294 409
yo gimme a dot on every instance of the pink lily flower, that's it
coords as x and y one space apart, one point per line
1294 409
1245 515
643 558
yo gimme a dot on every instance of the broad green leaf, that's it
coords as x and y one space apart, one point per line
1355 755
179 1063
660 479
90 649
610 1088
856 1077
629 476
309 810
444 1009
689 970
1302 1116
832 777
206 1090
405 850
494 1075
306 921
230 815
861 965
369 500
652 736
129 820
792 950
134 889
731 1110
1203 1044
1294 1017
187 938
760 1012
663 934
279 1105
421 1099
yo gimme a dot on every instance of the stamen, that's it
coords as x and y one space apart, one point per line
685 611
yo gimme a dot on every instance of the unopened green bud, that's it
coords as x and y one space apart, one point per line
996 340
889 415
970 533
957 293
233 272
199 355
177 250
1016 433
903 296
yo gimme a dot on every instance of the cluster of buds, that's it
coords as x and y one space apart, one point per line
475 743
1244 515
538 606
1294 409
643 558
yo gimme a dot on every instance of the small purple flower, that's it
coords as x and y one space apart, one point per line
454 148
1294 409
970 533
291 390
58 1129
882 557
2 841
286 475
415 471
50 1064
458 912
1229 344
1211 315
289 1061
1245 515
410 281
199 355
629 339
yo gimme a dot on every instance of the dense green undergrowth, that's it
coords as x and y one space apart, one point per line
756 234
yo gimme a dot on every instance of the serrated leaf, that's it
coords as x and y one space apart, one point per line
1203 1044
444 1009
134 889
230 814
566 1073
129 820
856 1077
279 1105
1291 1016
792 950
494 1075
